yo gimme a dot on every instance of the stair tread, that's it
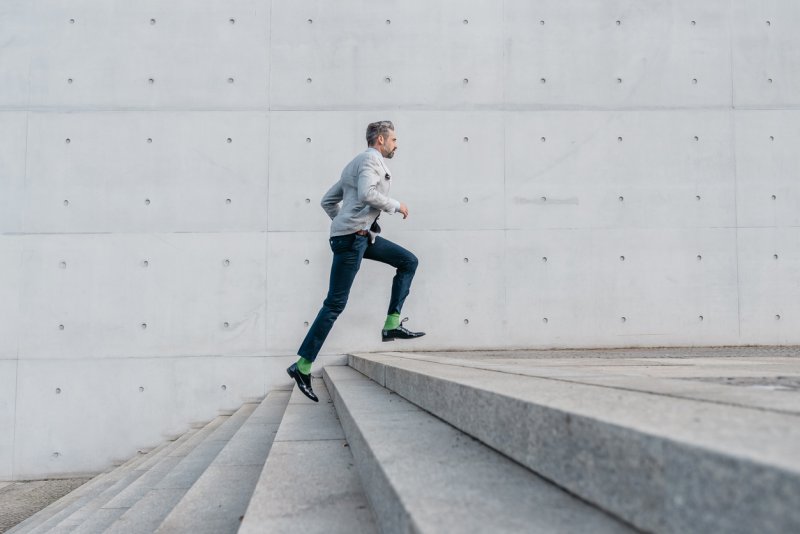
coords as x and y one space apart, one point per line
423 475
147 512
309 482
219 497
661 462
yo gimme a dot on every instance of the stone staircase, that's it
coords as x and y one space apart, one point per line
419 443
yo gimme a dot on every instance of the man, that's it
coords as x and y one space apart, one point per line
363 193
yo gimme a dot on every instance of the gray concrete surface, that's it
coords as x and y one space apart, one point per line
309 483
63 508
21 500
633 432
423 475
100 512
662 132
150 510
216 503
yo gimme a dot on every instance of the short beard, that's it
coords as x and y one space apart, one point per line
390 155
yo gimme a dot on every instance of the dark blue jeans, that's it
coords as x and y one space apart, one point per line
348 250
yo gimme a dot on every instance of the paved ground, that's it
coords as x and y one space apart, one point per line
20 500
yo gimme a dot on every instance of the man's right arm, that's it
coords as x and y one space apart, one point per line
331 199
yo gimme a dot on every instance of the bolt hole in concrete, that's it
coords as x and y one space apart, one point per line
141 389
229 140
226 263
69 80
58 391
66 202
227 201
63 265
149 139
466 139
145 263
223 387
466 321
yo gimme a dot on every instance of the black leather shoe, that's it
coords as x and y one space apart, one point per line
303 382
400 333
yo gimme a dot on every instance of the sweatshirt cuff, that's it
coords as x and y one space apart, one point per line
395 206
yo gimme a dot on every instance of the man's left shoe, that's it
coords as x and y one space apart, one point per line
400 333
303 382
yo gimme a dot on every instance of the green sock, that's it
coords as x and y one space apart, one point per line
392 321
304 366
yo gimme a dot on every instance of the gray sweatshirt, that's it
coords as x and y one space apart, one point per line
363 191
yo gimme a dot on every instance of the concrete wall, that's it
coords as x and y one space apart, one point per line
579 174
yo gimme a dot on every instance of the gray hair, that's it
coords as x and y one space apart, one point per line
374 129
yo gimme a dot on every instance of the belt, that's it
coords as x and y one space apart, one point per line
362 232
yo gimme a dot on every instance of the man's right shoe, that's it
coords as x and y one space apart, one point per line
303 382
400 332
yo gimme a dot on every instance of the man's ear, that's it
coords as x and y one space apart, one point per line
381 140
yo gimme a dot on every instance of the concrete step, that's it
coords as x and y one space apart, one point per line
216 503
50 516
150 510
92 516
309 483
422 475
120 503
663 462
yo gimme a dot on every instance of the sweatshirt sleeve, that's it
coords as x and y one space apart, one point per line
369 176
331 199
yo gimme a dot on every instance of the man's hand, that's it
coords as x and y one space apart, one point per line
404 210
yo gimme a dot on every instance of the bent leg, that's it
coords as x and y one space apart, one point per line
403 260
347 254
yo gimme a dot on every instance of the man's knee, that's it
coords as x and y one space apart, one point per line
411 263
335 305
